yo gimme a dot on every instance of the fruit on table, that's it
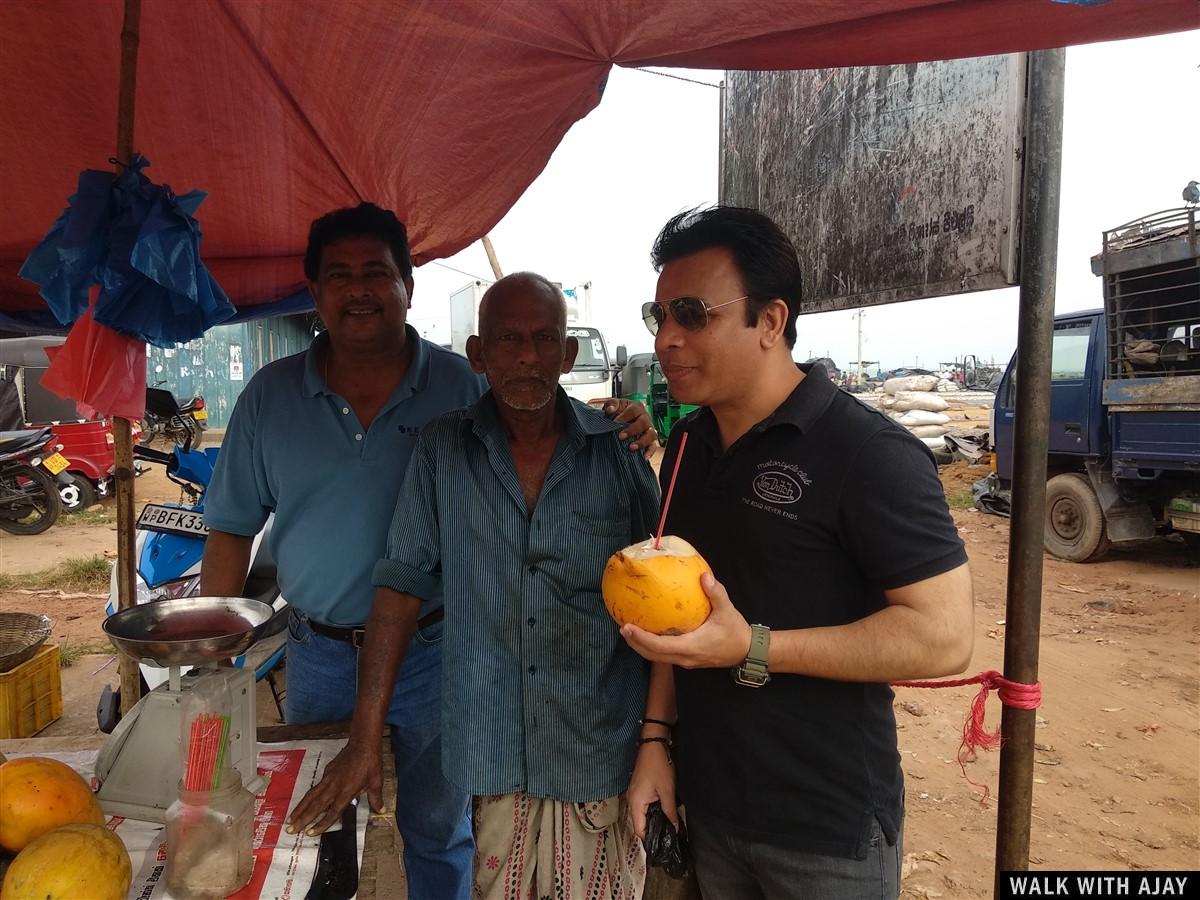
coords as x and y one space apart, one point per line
69 863
38 795
657 588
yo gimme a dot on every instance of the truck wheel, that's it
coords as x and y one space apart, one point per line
1074 521
78 495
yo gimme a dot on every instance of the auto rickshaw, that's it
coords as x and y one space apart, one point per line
24 403
642 380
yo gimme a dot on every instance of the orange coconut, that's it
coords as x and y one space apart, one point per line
657 589
37 795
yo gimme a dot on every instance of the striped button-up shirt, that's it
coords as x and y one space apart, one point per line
539 691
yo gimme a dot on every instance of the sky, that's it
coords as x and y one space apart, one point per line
1131 142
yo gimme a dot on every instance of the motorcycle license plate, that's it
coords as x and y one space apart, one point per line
172 520
200 415
55 463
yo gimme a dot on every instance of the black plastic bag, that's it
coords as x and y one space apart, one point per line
666 847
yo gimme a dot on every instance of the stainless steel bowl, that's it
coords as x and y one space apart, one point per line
188 631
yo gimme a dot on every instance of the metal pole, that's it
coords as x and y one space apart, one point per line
721 149
122 432
858 376
1035 335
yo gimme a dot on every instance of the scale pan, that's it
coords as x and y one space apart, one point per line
188 631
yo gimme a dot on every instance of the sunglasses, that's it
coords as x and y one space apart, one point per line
688 312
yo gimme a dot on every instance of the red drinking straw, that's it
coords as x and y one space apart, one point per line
670 490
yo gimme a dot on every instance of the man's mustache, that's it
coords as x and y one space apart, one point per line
528 378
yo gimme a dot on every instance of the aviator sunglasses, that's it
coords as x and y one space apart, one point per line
689 312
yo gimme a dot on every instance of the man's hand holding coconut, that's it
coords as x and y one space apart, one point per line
670 607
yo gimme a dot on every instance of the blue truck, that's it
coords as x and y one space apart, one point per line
1124 448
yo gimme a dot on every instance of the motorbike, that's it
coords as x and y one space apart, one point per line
169 545
32 471
166 417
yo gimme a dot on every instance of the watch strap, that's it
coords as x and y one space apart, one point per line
760 642
753 670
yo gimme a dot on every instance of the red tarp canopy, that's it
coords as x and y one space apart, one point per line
444 110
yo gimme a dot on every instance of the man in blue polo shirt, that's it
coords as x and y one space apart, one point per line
322 440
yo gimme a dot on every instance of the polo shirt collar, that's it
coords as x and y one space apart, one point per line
416 379
578 424
807 402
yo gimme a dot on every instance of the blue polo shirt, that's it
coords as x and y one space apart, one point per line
540 692
296 449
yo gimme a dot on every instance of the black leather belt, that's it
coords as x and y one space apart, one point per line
356 636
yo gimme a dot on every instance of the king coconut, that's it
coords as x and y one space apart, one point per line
657 588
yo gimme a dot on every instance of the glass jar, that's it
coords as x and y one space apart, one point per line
210 840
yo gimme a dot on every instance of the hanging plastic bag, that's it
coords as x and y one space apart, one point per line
64 263
102 371
666 847
141 243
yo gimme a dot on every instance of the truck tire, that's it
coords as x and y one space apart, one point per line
1075 529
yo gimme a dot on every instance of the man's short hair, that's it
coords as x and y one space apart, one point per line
549 288
763 254
364 220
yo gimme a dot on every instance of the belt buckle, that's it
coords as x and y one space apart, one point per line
357 636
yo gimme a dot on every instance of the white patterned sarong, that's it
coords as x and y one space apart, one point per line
531 848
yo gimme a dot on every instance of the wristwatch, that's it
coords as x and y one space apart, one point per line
753 670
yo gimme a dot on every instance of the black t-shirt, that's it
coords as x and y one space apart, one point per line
806 520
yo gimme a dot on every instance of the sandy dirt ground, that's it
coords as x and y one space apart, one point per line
1117 766
33 553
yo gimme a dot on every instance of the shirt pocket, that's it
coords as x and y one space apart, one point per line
591 541
614 526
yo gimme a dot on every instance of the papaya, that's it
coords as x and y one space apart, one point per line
70 863
657 588
37 795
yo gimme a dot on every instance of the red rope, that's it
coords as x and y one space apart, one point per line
974 733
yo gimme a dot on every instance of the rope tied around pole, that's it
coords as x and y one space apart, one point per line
975 735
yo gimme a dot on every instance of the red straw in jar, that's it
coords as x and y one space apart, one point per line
662 521
203 749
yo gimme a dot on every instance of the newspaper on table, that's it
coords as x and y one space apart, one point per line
284 864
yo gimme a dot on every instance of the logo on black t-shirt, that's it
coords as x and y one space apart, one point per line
777 487
778 484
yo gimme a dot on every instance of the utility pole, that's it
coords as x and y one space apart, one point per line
858 376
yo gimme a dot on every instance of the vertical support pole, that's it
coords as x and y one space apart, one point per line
721 148
858 373
1035 336
122 432
493 261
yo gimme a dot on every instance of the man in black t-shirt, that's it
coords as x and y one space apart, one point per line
838 570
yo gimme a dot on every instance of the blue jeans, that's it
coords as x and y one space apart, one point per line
731 867
433 816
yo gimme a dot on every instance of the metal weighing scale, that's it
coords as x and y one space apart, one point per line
138 767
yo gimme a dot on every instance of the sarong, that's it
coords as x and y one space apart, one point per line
531 848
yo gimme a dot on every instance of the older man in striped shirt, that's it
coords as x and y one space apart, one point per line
509 511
